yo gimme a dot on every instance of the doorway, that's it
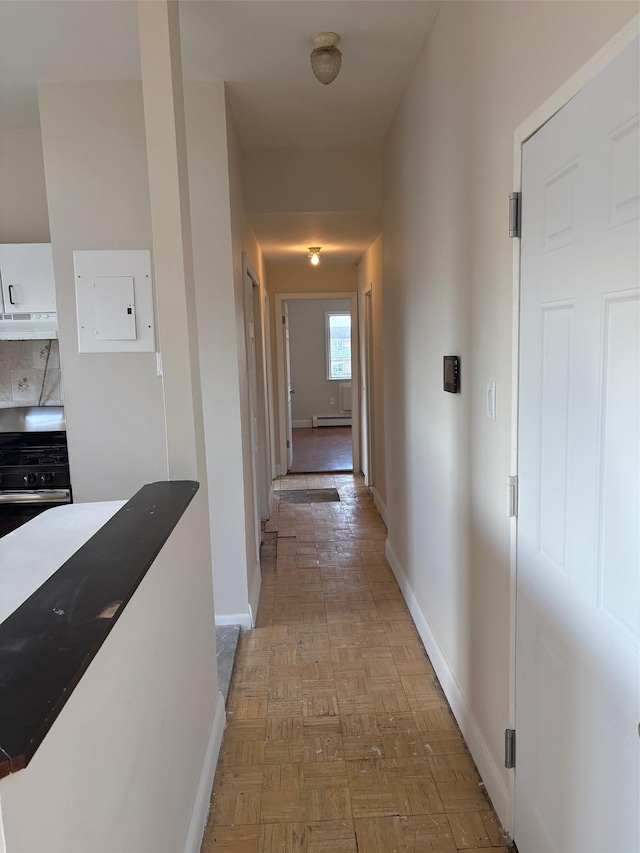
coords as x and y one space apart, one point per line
317 378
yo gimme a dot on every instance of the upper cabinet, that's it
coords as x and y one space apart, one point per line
26 270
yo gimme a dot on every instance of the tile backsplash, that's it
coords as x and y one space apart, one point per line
22 373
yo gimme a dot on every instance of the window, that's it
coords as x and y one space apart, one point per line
338 344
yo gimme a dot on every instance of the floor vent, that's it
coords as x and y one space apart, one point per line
331 420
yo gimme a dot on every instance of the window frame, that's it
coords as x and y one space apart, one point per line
327 324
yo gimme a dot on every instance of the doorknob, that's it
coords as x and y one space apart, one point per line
292 390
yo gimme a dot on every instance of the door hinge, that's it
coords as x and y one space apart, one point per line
288 445
514 214
512 496
284 319
509 748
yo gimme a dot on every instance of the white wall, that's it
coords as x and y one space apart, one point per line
447 260
206 125
283 180
98 198
128 764
23 197
370 273
308 351
243 240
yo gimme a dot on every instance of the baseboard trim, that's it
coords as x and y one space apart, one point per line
302 423
489 770
254 595
200 809
380 504
242 619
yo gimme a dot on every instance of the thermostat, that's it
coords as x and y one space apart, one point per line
451 374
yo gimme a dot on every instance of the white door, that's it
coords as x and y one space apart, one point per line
288 389
578 628
26 270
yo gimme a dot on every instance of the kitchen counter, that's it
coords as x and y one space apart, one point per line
82 565
33 552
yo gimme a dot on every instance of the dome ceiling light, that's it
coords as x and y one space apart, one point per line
314 255
326 59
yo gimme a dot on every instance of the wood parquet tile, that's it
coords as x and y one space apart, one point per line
339 738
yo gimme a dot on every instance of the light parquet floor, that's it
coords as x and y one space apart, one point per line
339 737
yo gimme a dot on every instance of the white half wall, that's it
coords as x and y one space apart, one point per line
129 762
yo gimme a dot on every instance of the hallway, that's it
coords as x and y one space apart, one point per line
339 737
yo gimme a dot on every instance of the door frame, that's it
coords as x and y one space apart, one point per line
368 437
351 295
608 53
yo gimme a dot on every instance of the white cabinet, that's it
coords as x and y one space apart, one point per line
26 270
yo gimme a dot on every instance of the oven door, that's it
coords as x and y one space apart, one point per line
18 507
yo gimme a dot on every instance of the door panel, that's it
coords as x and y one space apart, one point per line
578 591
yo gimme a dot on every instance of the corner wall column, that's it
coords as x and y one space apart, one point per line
159 33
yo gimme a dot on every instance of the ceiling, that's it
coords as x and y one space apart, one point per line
343 236
261 49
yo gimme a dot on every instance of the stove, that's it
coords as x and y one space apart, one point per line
34 464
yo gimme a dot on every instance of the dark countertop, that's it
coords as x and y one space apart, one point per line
49 641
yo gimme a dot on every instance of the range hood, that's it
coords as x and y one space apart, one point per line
25 327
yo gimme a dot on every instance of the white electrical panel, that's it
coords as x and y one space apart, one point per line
114 300
115 306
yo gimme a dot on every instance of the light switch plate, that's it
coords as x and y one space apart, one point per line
95 307
491 400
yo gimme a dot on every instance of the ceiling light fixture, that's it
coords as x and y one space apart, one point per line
314 255
326 59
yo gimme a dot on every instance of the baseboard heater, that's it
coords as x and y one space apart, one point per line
331 420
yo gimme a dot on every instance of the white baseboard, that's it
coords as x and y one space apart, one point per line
200 808
489 770
380 504
302 423
254 594
242 619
